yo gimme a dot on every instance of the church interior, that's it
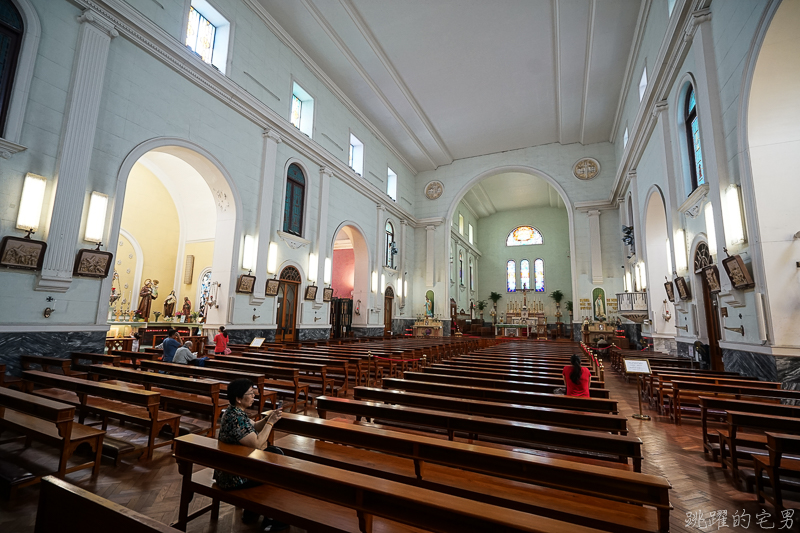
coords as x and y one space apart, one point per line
399 266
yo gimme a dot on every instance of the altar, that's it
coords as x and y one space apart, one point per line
428 327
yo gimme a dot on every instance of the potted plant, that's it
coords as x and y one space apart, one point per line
481 305
569 309
557 296
157 314
494 297
195 316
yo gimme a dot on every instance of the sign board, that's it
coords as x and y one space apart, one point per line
257 342
637 366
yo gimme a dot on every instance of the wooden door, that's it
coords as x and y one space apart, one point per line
288 291
388 304
712 325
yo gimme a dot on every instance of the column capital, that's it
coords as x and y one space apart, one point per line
403 222
430 228
632 175
696 18
272 135
380 207
98 21
593 213
325 172
659 107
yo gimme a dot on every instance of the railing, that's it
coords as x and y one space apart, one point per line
632 306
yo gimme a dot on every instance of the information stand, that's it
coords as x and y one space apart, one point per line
638 367
257 342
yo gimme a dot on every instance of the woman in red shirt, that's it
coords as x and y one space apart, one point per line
577 378
221 342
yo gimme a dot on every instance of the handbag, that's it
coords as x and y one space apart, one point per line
227 351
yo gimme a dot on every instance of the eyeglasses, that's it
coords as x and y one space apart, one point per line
251 393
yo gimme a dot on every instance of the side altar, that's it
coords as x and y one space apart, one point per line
428 327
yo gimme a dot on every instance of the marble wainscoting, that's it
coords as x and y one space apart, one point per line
447 328
789 373
368 332
750 364
577 332
400 325
246 336
665 345
633 332
49 343
313 334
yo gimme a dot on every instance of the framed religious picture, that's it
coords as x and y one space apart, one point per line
670 291
311 292
245 284
16 252
327 294
92 263
711 273
738 273
272 287
684 293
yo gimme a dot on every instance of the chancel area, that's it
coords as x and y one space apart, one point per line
356 266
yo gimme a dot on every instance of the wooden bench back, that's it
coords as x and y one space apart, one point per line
783 443
508 384
220 374
707 389
46 363
95 358
271 372
84 386
148 379
49 410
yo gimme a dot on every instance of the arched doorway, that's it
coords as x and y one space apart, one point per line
288 295
349 279
659 271
708 299
388 308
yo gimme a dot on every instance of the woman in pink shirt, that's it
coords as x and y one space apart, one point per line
221 342
577 378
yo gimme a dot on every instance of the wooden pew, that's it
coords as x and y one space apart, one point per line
52 423
56 365
313 373
338 367
107 401
600 405
776 466
614 448
217 374
321 498
523 386
65 508
689 392
551 379
610 496
525 413
195 395
284 381
94 359
666 392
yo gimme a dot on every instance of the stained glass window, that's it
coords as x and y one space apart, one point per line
471 278
693 134
524 235
10 41
461 269
295 194
200 35
525 274
297 109
205 291
389 243
511 276
538 275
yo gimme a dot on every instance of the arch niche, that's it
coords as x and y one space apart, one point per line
659 265
172 161
350 275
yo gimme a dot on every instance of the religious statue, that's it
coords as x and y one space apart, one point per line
187 306
428 307
147 295
599 307
169 304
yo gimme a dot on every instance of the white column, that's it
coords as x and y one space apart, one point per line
594 240
401 264
266 200
322 228
430 250
75 151
673 218
380 233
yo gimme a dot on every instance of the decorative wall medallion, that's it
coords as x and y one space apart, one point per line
586 168
121 243
126 286
130 256
119 261
222 200
434 190
128 271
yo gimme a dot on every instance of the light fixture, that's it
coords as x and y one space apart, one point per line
272 258
405 289
669 255
628 283
327 273
643 274
30 205
734 227
383 283
374 281
96 219
248 256
680 251
710 229
313 267
400 286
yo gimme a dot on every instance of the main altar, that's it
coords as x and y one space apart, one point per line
518 317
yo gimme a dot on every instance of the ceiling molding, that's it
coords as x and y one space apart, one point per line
483 197
638 34
465 243
587 67
331 33
290 43
355 16
469 207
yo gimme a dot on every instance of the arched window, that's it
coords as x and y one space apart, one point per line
525 274
524 235
461 269
511 276
471 276
389 245
538 275
295 196
11 30
693 140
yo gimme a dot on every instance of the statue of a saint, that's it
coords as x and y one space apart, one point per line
428 307
599 307
169 304
187 306
147 295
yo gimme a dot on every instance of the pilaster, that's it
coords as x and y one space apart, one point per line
401 264
594 240
269 160
322 228
430 250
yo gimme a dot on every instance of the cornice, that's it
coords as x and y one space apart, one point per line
7 148
468 245
425 222
142 32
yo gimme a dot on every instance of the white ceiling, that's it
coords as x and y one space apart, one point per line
492 194
449 79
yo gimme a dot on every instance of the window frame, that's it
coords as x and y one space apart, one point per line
470 235
309 108
225 29
388 259
544 280
688 118
514 264
461 268
460 224
356 153
643 81
391 183
8 78
286 226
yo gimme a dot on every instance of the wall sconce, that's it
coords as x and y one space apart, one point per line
30 204
313 267
734 227
272 258
248 256
327 274
680 251
400 287
383 283
96 220
374 281
405 289
643 275
628 282
710 229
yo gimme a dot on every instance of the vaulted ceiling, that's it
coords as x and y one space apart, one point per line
450 79
491 195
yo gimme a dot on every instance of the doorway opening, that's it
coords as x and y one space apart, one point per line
349 280
702 261
388 308
288 291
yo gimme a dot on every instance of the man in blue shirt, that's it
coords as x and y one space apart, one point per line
171 344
